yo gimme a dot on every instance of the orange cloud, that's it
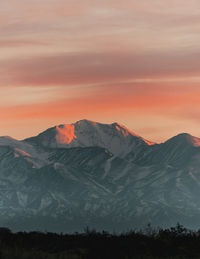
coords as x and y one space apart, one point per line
99 59
168 109
102 103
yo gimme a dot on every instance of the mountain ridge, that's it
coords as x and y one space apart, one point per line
84 133
102 176
118 125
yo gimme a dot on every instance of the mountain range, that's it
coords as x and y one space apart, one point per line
99 175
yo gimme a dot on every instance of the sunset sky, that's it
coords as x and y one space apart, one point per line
134 62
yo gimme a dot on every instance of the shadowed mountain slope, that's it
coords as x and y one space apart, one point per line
98 175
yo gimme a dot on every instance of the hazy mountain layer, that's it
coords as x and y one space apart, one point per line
98 175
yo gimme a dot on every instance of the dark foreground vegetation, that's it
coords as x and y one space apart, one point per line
176 242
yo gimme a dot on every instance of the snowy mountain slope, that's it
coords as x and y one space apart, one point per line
98 175
114 137
175 151
22 148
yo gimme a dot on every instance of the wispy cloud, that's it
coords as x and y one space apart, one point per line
102 60
82 68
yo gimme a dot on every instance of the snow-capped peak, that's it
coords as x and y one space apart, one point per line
84 133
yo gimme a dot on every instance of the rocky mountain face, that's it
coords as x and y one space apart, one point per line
98 175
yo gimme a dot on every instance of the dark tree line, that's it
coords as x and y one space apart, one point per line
175 242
